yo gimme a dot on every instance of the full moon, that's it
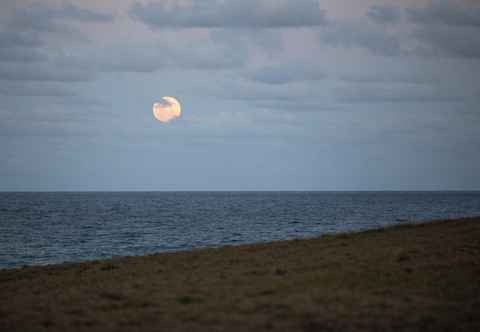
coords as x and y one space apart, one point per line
166 110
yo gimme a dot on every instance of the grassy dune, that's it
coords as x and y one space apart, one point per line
413 278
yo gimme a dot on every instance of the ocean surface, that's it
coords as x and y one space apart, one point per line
47 228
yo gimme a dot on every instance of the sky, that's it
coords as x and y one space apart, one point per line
275 94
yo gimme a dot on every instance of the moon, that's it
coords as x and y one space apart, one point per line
166 110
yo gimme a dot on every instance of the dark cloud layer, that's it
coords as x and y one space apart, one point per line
21 54
362 35
441 29
34 89
388 93
458 41
71 11
230 13
294 105
447 28
25 55
29 26
15 38
288 73
446 12
42 17
390 76
384 14
204 54
44 72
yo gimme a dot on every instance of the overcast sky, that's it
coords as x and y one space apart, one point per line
275 94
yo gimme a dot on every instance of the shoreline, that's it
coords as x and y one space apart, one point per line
399 223
424 277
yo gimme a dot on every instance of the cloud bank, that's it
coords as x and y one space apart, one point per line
230 13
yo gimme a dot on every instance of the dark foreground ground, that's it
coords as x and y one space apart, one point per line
407 278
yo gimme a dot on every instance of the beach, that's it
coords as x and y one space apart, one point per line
415 277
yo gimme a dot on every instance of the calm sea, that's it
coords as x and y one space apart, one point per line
45 228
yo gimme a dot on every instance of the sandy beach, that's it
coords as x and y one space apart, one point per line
423 277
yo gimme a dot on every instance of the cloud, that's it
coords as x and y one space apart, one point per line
189 53
12 38
247 90
73 12
405 93
30 25
44 18
295 105
269 41
442 29
25 53
287 73
358 34
230 13
384 14
85 64
390 75
21 54
48 71
459 41
446 12
205 54
34 89
446 29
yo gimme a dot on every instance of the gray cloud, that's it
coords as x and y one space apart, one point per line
287 73
446 12
390 75
73 12
230 13
25 54
13 89
443 29
294 105
446 29
13 38
362 35
29 26
48 71
203 54
206 55
44 18
405 93
21 54
384 14
31 65
463 42
248 90
243 39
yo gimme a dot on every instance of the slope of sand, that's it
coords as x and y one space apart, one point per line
415 278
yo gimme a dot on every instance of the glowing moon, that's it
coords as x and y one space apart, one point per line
167 110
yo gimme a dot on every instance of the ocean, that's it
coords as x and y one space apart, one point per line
48 228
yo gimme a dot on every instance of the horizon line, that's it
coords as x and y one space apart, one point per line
240 190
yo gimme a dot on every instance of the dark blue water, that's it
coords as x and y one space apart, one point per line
44 228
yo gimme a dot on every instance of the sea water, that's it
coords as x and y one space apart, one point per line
47 228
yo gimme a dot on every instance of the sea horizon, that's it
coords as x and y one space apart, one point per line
246 190
39 228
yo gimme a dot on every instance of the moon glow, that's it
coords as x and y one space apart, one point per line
166 110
